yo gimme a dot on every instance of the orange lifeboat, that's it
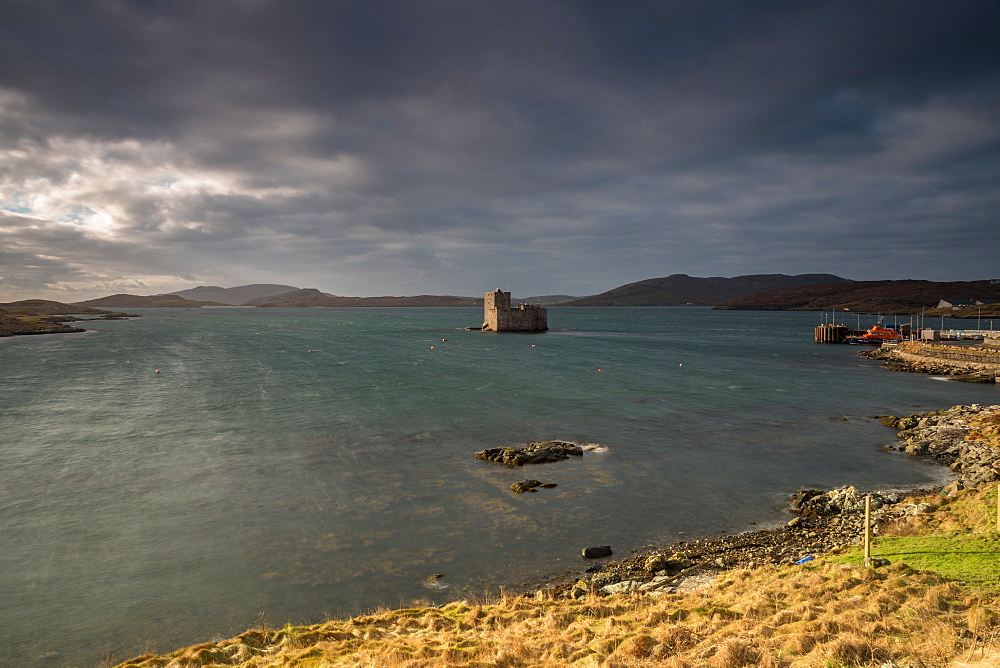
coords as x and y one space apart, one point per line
878 334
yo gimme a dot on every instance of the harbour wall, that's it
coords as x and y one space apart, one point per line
977 358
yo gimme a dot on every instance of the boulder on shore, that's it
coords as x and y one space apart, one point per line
533 453
596 551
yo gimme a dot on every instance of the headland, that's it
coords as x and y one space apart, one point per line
40 316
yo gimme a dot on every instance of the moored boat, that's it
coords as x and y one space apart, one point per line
878 334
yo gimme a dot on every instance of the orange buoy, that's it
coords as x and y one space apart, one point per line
157 371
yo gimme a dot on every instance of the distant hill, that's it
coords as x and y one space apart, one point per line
41 316
237 296
47 307
684 290
152 301
905 297
313 297
288 297
545 300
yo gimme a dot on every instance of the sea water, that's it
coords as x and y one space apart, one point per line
183 476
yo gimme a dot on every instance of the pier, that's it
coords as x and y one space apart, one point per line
958 334
838 334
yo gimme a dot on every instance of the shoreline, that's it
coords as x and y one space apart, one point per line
970 364
33 319
823 522
961 437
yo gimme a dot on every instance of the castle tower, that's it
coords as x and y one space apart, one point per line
498 299
498 316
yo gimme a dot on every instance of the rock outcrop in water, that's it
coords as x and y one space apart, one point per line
533 453
526 486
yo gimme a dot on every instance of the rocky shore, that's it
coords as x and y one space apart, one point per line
974 364
964 438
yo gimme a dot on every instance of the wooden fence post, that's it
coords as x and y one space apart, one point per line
868 530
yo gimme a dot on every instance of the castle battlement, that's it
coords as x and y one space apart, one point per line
498 316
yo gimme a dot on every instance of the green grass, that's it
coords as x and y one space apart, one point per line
957 555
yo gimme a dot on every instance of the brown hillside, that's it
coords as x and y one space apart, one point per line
312 297
46 307
684 290
905 297
42 316
152 301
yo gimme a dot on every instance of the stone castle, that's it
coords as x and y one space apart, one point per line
498 316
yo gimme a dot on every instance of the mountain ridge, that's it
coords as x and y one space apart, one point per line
890 297
684 290
150 301
310 297
235 296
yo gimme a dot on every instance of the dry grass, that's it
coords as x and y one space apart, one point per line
987 430
821 614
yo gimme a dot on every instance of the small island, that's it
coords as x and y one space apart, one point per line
41 316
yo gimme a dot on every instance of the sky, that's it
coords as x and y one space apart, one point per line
380 147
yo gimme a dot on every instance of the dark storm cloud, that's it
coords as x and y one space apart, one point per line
362 146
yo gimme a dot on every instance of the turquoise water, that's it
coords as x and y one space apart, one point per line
289 464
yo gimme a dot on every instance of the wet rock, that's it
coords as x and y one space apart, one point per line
533 453
525 485
596 551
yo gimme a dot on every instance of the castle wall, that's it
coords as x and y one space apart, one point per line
498 316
